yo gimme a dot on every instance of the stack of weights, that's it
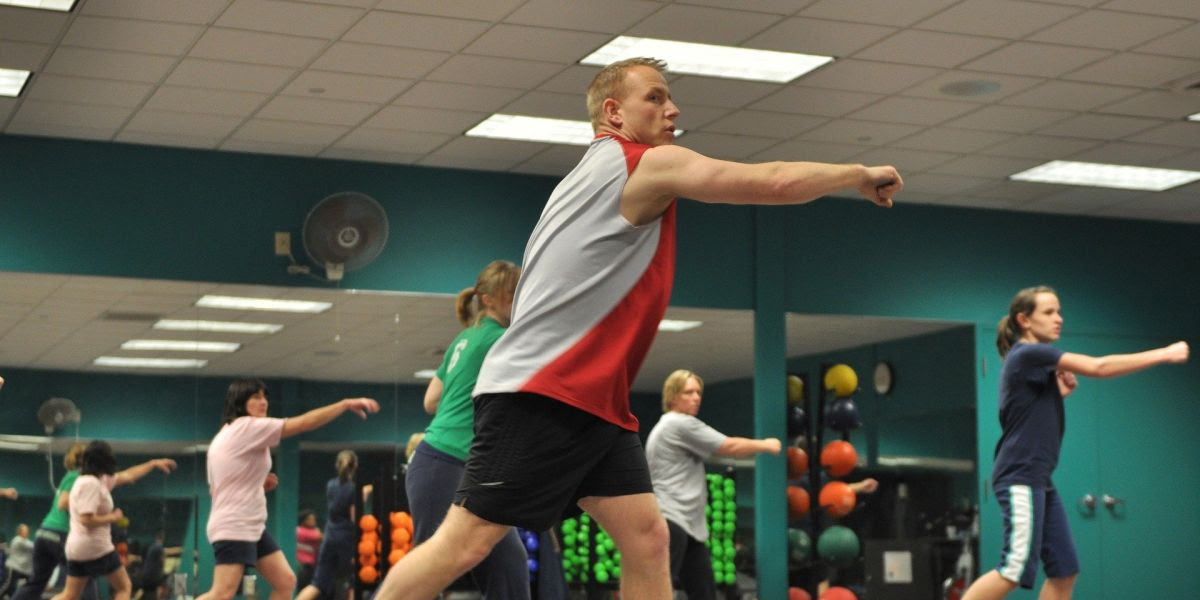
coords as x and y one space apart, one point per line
529 539
369 546
722 521
607 567
402 534
575 548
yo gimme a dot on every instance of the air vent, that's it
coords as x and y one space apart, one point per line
117 315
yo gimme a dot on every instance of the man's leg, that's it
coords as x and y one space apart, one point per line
462 541
640 532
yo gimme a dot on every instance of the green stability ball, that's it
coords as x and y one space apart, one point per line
838 545
799 545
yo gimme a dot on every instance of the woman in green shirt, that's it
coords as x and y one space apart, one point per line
438 462
49 541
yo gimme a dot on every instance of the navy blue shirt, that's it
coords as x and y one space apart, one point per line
339 498
1031 417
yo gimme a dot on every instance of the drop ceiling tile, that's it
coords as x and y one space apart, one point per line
819 36
1120 30
985 166
1037 60
507 151
1181 133
1104 127
537 43
500 72
1171 8
416 31
7 106
715 91
1184 43
880 12
1069 95
1013 119
932 183
1136 210
1189 160
1165 105
368 59
1136 69
914 111
23 55
66 114
930 48
288 132
549 104
1008 19
498 162
814 101
763 124
107 64
611 16
90 91
1039 146
847 131
24 25
907 161
194 72
433 120
344 86
167 139
148 37
60 131
1081 200
183 124
1009 85
941 139
312 110
200 100
855 75
493 10
1015 191
265 48
291 18
198 12
557 160
458 96
697 117
724 146
1124 153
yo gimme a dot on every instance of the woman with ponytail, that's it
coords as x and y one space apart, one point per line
437 464
1035 378
335 561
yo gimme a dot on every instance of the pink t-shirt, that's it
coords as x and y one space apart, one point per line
90 494
239 458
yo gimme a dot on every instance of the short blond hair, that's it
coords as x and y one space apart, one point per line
674 384
610 83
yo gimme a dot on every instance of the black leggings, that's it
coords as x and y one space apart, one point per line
691 566
48 553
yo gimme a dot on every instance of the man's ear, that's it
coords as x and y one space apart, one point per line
611 109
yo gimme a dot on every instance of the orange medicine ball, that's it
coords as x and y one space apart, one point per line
839 457
798 501
837 499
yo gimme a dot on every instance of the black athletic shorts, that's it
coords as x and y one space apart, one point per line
236 552
534 457
97 567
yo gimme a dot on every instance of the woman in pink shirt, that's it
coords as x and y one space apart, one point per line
90 551
239 464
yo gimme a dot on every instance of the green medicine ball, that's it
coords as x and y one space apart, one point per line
838 545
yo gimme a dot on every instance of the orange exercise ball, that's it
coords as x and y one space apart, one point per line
839 457
837 499
368 574
368 523
797 460
795 593
798 501
368 560
400 536
395 555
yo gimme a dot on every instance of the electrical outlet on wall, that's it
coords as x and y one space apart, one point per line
283 243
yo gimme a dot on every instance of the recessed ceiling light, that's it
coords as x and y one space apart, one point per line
710 60
1195 117
217 326
674 325
59 5
241 303
181 345
12 81
149 363
537 129
425 374
1123 177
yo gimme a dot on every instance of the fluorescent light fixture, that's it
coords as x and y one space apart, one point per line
713 61
59 5
181 345
1195 117
1110 176
425 374
537 129
217 326
240 303
149 363
12 81
674 325
20 446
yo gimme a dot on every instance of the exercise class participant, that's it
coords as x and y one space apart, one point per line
554 432
335 560
50 539
1033 382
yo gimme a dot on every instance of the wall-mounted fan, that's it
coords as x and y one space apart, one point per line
344 232
56 412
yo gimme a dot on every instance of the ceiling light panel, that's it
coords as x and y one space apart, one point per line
269 304
710 60
56 5
130 362
12 81
216 326
181 345
1123 177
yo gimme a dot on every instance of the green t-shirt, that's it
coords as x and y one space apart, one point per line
453 425
58 519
